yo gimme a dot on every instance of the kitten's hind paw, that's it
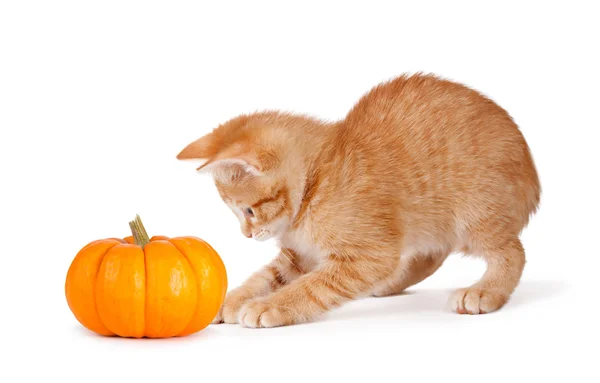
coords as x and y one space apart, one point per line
474 300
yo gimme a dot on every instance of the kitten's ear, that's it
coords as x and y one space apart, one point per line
236 155
210 151
203 148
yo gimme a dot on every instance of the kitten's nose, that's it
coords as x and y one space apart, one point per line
249 235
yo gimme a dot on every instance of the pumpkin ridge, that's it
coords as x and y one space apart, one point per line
95 284
168 323
184 255
145 294
213 261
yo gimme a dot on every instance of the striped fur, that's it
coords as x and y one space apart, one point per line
373 203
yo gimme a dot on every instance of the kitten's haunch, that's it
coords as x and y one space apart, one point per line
372 204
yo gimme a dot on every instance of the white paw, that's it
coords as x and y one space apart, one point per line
231 307
475 300
260 313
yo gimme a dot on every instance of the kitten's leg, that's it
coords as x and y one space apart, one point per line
505 265
282 270
410 272
338 280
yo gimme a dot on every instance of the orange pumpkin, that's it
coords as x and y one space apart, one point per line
146 287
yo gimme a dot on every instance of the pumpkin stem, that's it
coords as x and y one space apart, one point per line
140 236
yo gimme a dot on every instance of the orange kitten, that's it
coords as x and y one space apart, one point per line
420 168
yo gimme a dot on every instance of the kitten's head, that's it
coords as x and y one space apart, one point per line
245 159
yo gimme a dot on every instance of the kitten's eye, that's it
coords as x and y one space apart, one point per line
249 212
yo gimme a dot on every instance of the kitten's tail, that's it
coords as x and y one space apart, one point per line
533 190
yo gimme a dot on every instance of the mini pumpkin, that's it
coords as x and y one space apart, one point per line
146 287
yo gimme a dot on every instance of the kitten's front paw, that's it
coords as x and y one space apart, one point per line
261 313
475 301
231 308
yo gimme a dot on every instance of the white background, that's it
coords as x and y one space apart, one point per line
97 98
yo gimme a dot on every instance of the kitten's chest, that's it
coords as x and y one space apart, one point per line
310 254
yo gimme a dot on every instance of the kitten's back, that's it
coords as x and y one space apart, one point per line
449 153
